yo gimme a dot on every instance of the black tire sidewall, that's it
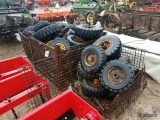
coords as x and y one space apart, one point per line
128 75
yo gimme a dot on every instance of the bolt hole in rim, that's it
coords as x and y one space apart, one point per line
90 58
116 75
105 44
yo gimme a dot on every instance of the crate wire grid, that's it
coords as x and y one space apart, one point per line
59 69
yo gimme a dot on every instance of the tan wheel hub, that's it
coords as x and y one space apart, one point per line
62 47
49 42
116 75
90 58
90 18
105 44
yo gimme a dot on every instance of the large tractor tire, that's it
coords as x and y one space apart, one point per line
40 25
61 25
66 29
25 31
87 32
47 33
92 59
93 88
90 17
112 46
117 75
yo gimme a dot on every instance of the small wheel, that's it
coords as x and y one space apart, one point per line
93 88
90 17
92 59
87 32
117 75
75 40
84 74
61 42
112 46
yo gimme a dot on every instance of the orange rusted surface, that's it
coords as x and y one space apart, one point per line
50 14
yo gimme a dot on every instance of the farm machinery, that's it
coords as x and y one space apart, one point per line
14 19
134 19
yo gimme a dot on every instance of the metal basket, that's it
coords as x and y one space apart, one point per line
60 71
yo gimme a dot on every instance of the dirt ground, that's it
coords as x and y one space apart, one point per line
146 107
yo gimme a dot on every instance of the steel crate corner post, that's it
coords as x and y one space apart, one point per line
18 83
57 108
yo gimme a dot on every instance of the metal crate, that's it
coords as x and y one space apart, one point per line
60 71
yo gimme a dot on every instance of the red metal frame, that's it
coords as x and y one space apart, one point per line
13 66
54 108
14 89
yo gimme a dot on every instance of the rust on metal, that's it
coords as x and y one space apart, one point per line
60 71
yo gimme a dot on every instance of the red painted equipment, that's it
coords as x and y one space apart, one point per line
18 83
43 2
57 108
12 66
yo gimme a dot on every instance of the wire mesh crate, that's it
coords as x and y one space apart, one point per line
60 71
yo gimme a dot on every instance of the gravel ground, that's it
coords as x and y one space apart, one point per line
146 107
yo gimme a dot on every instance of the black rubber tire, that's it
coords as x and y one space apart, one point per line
114 51
84 74
128 77
92 33
94 15
74 40
89 90
31 33
40 25
25 31
66 29
47 33
100 59
110 95
62 41
61 25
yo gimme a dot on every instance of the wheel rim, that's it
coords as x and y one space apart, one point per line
112 23
90 18
105 44
77 39
49 42
62 47
116 75
90 58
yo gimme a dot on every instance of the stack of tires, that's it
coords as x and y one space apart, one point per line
103 72
63 34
